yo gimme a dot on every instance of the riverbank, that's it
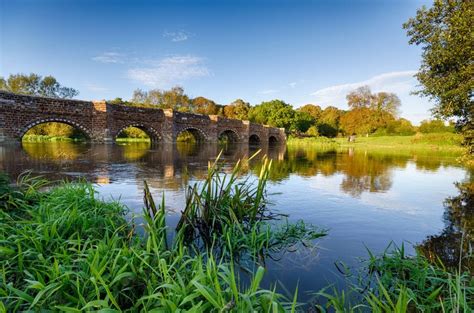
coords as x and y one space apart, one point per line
62 248
435 142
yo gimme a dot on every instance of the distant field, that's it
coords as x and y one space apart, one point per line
443 142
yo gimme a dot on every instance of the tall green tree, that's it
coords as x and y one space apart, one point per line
445 33
328 124
36 85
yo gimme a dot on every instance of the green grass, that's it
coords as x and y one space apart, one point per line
47 138
128 139
435 142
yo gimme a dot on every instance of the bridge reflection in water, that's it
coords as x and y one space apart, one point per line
171 166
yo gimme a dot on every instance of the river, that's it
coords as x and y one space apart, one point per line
365 199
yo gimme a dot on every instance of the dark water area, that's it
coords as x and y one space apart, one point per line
365 199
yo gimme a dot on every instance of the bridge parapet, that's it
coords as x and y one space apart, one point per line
103 122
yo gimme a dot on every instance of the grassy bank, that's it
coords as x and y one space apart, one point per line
442 142
47 138
63 249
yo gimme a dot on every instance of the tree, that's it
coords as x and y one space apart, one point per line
313 110
434 126
361 97
357 121
239 109
447 70
262 113
302 121
175 99
36 85
203 105
329 122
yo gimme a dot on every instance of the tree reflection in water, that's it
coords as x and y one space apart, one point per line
361 171
459 231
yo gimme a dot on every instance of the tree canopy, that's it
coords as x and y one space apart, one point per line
36 85
445 33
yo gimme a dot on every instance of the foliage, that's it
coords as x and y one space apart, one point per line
312 131
204 106
328 125
395 282
239 109
53 130
133 132
434 126
175 98
369 112
447 71
313 110
36 85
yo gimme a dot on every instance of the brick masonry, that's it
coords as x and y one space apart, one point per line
103 122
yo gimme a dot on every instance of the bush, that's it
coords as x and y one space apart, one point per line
312 131
435 126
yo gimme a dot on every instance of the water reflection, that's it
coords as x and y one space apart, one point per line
171 166
453 246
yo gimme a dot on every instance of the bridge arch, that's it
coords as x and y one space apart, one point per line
254 139
229 135
83 129
198 134
150 131
272 140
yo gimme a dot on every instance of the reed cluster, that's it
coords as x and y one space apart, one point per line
396 282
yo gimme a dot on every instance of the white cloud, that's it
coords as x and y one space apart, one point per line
170 70
109 57
268 91
401 83
292 84
177 36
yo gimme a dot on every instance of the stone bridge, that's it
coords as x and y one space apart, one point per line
103 122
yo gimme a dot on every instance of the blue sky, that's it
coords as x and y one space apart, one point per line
298 51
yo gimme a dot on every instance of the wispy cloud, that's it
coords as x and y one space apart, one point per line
177 36
95 88
165 72
268 91
402 83
398 82
292 84
110 57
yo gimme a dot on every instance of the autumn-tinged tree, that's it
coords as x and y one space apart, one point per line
369 111
313 110
445 33
357 121
36 85
203 105
239 109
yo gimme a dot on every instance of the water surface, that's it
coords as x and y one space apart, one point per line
364 198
